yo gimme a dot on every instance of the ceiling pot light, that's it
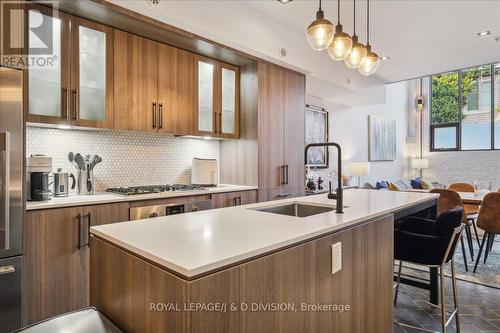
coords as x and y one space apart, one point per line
483 33
342 43
384 58
320 31
372 61
358 51
284 1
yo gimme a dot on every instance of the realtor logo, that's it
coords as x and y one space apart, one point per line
27 34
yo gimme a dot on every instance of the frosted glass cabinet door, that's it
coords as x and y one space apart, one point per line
48 77
206 77
91 91
229 101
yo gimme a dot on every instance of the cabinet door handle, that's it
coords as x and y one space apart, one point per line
76 106
154 114
89 223
234 201
79 245
160 116
216 126
239 200
7 270
66 102
282 175
286 173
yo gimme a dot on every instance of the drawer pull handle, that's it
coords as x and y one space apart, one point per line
7 270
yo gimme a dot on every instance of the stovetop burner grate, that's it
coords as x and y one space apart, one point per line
154 189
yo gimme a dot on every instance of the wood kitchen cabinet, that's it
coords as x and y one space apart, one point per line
154 86
217 111
135 82
221 200
57 277
281 131
77 88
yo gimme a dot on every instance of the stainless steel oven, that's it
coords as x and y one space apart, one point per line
146 212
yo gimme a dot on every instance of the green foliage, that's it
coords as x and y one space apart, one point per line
445 108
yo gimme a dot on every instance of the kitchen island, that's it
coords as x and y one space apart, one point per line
242 269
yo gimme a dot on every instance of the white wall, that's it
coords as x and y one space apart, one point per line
349 127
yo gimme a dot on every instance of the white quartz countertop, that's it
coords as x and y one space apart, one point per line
195 243
101 198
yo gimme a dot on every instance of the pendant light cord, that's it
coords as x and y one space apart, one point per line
354 23
338 11
367 22
320 5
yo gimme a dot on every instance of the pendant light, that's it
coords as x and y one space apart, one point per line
341 45
320 31
358 51
372 61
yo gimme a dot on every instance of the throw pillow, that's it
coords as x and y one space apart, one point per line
395 187
382 184
426 185
416 183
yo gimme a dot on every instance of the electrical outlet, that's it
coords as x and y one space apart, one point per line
336 257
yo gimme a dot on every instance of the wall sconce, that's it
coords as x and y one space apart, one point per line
420 103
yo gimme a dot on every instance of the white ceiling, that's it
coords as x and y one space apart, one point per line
421 37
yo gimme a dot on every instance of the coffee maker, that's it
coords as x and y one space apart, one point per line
38 168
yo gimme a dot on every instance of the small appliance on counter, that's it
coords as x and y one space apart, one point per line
38 168
61 183
204 172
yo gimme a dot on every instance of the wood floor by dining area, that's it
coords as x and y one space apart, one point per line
479 309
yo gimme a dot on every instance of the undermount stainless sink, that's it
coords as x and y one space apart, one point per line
296 209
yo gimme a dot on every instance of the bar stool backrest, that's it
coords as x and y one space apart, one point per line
489 214
448 200
461 187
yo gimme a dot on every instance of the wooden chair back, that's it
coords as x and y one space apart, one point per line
489 214
461 187
448 200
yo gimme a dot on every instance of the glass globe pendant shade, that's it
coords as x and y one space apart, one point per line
357 55
341 44
320 32
371 63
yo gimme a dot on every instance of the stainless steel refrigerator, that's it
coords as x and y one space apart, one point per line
11 197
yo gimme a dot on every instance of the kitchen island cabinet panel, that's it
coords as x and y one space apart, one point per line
292 276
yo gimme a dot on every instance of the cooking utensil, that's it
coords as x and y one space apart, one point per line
79 161
71 158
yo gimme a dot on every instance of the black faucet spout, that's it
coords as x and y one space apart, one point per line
339 195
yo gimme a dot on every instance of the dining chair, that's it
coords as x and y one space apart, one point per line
489 221
431 243
448 200
471 211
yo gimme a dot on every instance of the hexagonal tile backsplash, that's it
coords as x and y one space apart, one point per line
129 158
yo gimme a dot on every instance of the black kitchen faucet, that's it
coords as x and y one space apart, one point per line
339 195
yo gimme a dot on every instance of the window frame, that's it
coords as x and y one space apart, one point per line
458 124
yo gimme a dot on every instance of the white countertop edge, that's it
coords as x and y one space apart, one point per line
103 198
189 273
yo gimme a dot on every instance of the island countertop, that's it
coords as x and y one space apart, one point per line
196 243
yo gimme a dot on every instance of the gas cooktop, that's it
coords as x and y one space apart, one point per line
154 189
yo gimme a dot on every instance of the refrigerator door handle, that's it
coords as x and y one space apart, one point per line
4 222
7 270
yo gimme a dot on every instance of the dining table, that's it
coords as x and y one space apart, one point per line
473 198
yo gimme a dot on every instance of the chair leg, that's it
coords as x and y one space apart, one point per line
463 253
443 298
475 231
489 244
398 279
480 250
455 296
468 234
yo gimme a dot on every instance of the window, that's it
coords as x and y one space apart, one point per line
465 111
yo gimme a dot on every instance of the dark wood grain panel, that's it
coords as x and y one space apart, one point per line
135 82
176 89
221 200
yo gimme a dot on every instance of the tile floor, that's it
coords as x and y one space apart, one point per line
479 309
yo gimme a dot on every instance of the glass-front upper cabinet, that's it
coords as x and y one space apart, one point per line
217 99
48 74
70 72
91 74
229 112
206 110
